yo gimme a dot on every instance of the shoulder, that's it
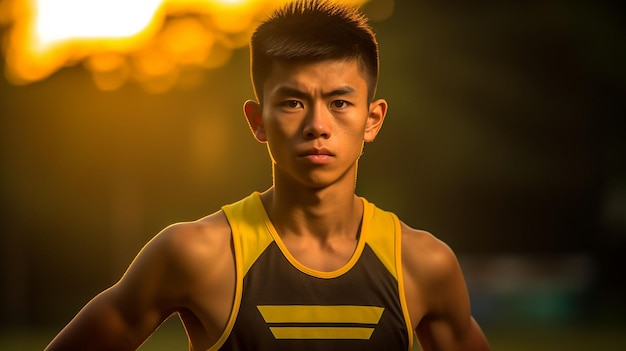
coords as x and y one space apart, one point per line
429 264
183 253
208 231
187 242
424 250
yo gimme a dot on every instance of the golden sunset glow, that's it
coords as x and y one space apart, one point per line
159 44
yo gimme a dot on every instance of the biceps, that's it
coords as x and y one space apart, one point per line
441 334
106 322
435 334
449 321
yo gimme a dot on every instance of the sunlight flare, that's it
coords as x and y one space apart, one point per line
159 44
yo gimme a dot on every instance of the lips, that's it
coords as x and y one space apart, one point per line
317 152
318 155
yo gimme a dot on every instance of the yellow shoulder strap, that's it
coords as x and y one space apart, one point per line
382 233
384 236
247 221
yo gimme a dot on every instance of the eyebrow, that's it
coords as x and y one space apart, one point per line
290 91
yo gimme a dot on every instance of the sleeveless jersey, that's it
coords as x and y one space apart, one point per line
282 305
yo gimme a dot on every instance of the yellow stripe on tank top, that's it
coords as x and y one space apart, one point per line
321 314
322 332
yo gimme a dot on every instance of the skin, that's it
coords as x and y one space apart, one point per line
315 119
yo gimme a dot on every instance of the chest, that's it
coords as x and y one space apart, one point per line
285 307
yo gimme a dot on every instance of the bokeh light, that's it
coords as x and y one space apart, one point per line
159 44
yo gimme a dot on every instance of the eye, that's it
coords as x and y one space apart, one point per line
292 104
340 104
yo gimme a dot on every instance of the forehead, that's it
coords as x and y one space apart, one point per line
316 75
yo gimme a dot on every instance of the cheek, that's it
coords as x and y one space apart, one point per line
352 140
280 133
351 130
281 138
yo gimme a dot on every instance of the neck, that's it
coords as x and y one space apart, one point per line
322 213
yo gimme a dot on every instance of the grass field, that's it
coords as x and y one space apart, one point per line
171 337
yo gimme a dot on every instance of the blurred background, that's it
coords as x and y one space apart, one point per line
506 138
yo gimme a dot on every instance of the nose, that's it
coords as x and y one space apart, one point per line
317 124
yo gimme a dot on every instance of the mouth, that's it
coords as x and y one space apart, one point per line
317 152
317 155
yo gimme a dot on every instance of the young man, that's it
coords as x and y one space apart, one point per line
305 265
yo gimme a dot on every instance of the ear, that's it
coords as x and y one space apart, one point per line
378 110
253 112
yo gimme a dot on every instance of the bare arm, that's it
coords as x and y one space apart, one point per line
437 296
107 323
125 315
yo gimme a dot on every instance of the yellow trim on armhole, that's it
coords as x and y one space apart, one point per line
403 302
389 252
250 238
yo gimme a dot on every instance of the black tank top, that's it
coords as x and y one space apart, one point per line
281 304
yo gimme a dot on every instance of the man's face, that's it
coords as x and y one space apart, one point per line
315 118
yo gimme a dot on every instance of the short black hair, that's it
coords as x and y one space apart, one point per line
313 30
